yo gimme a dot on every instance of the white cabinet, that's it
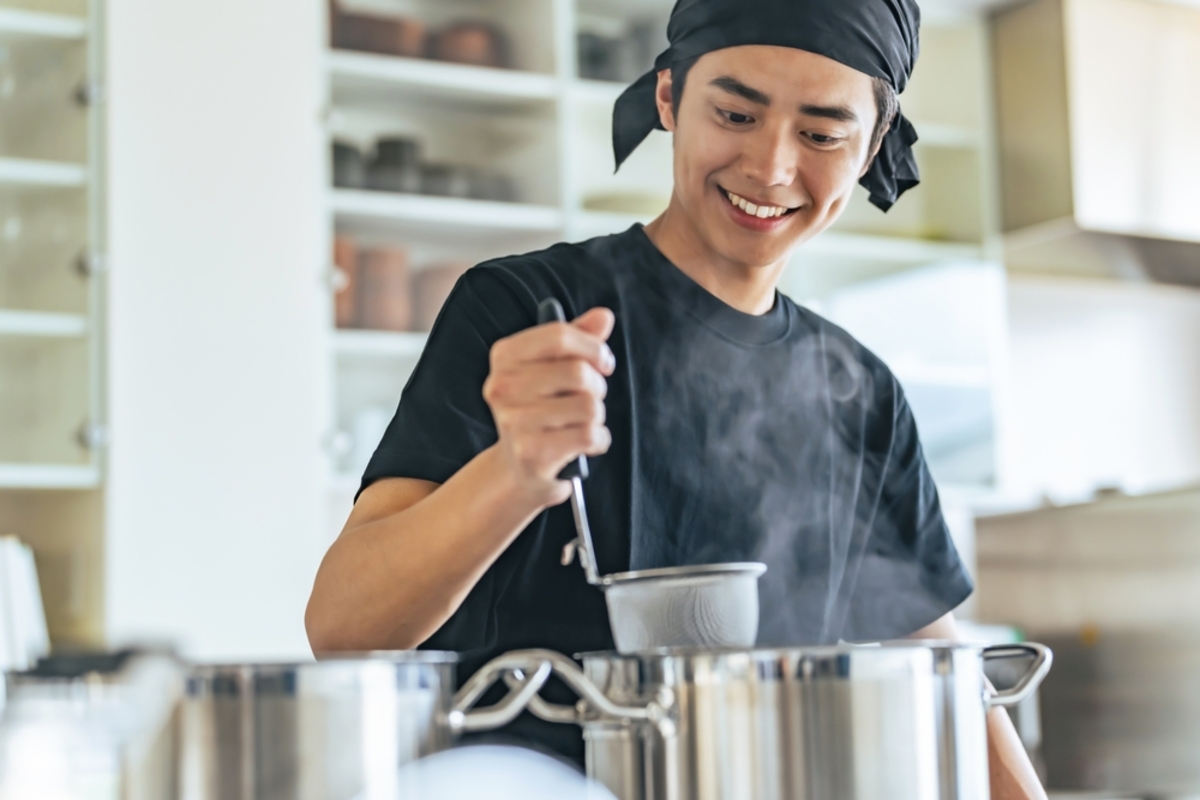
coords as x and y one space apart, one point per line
1104 388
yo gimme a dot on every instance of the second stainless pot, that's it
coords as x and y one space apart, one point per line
894 722
336 729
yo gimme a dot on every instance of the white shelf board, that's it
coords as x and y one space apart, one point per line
379 343
889 248
42 324
48 476
425 214
16 23
933 134
593 91
28 172
365 78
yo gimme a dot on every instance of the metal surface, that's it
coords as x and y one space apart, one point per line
587 554
330 730
853 723
102 723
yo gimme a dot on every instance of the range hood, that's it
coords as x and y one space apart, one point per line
1098 125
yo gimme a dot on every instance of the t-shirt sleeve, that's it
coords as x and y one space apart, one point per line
911 573
442 421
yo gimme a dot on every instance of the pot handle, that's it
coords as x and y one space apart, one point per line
464 719
523 670
591 698
1043 657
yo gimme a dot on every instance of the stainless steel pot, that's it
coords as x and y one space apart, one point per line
893 722
336 729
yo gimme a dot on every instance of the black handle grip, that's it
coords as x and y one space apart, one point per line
550 310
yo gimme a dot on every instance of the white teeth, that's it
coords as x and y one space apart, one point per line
762 212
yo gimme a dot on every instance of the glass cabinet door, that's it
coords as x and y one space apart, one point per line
50 241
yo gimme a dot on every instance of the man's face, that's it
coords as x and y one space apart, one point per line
774 127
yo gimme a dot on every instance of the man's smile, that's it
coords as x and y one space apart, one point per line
757 216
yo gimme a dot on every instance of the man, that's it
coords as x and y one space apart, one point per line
725 422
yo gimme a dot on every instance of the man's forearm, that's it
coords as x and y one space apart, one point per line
1012 774
391 582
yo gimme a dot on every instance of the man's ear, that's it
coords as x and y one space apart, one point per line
662 97
870 159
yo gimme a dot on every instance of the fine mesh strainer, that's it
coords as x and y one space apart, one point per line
709 606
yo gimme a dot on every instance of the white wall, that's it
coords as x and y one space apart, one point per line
1105 387
217 246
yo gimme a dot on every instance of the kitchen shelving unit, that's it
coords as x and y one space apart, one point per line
565 170
51 245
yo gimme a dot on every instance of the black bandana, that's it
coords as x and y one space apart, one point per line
875 37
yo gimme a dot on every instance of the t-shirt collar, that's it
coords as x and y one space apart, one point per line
706 307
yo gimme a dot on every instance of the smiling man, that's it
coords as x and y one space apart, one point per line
726 422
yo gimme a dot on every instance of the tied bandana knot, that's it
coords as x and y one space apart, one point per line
877 37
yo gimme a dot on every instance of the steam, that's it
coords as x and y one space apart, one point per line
782 410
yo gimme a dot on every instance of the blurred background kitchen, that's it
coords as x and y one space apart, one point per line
225 228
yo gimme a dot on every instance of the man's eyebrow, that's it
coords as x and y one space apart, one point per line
837 113
734 86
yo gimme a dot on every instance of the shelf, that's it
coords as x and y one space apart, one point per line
932 134
379 343
48 476
593 91
367 79
27 172
888 248
425 214
40 324
17 24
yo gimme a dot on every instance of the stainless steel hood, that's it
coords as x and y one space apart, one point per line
1098 122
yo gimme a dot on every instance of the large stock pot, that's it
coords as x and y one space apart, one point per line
336 729
900 721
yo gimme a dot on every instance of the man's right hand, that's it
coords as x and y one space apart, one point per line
546 388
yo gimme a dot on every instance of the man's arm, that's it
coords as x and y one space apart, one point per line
1011 773
412 550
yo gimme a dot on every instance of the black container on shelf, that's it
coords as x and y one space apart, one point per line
396 166
349 167
622 59
398 151
447 180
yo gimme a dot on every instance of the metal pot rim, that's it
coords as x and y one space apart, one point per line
772 653
367 656
753 568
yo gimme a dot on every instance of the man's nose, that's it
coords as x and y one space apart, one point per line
772 156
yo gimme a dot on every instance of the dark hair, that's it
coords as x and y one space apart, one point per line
886 103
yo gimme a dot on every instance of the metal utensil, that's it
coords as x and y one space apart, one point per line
550 310
709 605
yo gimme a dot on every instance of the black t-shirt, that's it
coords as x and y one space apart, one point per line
774 438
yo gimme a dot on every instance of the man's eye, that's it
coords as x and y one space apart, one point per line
820 138
737 118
